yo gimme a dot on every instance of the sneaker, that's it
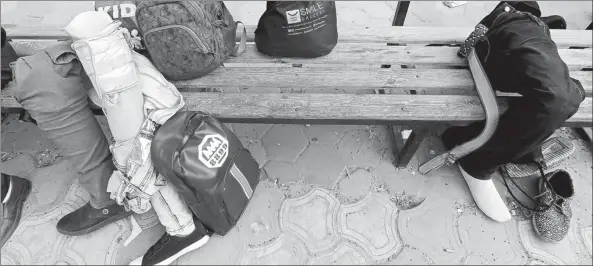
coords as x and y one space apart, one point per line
88 219
11 211
169 248
552 221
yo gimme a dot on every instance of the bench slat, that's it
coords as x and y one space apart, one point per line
353 54
344 78
360 34
344 108
429 81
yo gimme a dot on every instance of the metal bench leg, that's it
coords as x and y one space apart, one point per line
400 13
404 151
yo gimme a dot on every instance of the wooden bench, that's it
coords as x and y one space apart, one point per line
406 84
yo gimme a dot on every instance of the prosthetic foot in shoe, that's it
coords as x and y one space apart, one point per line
487 198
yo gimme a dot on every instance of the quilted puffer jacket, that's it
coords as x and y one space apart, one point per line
135 98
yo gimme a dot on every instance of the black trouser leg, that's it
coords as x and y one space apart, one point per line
521 129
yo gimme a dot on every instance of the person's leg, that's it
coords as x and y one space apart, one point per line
184 232
56 97
549 98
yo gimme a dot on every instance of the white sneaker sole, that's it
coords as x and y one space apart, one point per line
184 251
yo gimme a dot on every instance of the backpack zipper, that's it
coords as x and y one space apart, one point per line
203 47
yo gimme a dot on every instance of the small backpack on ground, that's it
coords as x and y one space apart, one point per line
188 39
297 29
209 167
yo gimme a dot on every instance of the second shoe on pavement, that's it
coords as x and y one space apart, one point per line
169 248
552 220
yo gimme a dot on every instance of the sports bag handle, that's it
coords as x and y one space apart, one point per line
243 43
190 127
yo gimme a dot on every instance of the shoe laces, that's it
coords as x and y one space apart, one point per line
540 205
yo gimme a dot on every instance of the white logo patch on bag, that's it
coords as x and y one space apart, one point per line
213 151
293 16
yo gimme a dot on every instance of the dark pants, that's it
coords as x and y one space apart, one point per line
53 89
519 57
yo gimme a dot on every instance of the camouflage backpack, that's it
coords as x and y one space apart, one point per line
188 39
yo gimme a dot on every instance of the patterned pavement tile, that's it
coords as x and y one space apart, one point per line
411 256
365 146
354 185
568 251
371 224
431 229
491 242
447 183
400 180
257 227
284 142
251 137
256 149
325 134
250 131
586 238
285 250
320 164
260 223
12 139
344 254
312 218
282 172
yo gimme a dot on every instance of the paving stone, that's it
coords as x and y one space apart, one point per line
365 146
35 141
312 218
259 222
250 131
257 227
491 242
325 134
344 254
256 149
284 142
53 187
320 164
586 234
371 224
410 256
355 185
419 230
447 183
36 241
282 172
400 180
297 189
18 164
251 137
285 250
566 251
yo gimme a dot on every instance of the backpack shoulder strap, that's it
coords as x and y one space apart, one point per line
238 50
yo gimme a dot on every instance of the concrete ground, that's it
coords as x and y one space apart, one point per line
333 195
